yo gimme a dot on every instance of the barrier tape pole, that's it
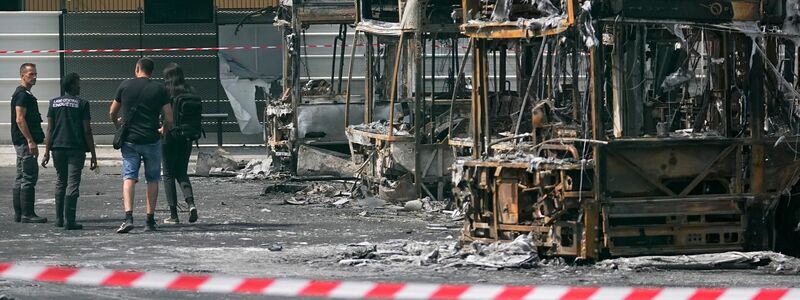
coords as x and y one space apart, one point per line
210 283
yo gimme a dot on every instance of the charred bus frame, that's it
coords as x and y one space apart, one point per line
644 127
400 149
290 121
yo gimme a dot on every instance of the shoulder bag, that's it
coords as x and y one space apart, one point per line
122 131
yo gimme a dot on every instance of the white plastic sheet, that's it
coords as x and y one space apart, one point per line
241 93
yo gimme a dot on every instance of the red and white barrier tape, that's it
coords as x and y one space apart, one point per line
120 50
123 50
370 290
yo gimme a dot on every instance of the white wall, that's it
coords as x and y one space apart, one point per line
27 31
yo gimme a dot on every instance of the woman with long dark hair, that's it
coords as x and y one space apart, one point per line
176 151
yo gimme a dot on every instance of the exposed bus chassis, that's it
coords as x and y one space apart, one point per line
308 115
638 133
399 149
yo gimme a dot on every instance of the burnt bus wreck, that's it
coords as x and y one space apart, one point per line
411 54
636 127
305 125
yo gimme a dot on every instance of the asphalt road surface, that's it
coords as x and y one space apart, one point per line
239 229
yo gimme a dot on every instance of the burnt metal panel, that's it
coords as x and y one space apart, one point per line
693 10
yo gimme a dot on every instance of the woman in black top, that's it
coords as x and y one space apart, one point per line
176 151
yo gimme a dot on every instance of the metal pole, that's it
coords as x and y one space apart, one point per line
756 227
530 83
576 109
503 70
349 79
368 82
296 47
756 99
455 90
433 89
484 80
61 42
589 244
333 62
141 29
424 68
475 103
419 105
393 97
341 59
217 100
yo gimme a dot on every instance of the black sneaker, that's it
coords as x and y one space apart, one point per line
192 214
33 219
150 226
125 227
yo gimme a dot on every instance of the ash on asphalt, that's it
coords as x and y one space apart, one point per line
242 232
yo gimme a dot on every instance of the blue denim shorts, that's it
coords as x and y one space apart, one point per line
132 157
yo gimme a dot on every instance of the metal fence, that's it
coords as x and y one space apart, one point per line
128 5
101 73
103 24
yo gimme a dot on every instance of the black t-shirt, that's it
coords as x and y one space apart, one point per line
68 114
24 98
144 125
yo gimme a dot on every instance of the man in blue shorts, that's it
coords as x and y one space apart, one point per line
142 143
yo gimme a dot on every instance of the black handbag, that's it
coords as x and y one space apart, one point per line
122 131
119 136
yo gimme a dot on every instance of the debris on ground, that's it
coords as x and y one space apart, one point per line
766 260
220 164
371 202
283 187
363 250
437 226
516 254
519 253
295 201
341 201
320 193
457 214
413 205
216 163
222 172
314 161
256 169
320 189
397 191
426 204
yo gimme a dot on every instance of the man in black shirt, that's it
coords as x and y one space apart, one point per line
26 134
69 136
142 143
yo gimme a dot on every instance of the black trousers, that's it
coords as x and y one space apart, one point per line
24 190
69 165
27 169
175 155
